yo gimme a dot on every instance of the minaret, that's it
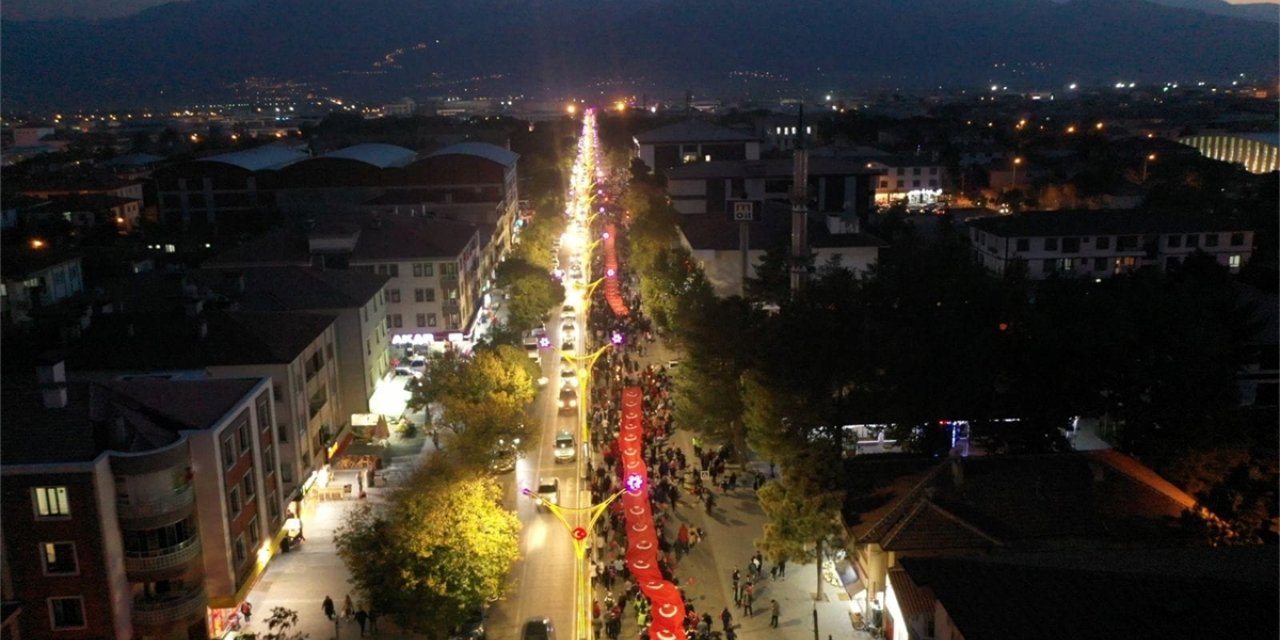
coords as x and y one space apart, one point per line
800 212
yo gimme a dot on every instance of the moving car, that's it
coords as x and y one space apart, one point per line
471 629
564 449
568 399
567 312
538 628
568 376
504 459
549 491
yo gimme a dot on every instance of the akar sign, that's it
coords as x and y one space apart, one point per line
743 210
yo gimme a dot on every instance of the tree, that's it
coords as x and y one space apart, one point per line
441 549
533 293
482 400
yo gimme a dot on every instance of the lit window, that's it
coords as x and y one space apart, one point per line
59 558
1234 262
51 502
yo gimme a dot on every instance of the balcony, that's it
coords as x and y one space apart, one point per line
138 564
152 506
154 612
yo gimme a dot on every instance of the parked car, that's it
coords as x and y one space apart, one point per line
538 628
564 448
472 629
418 366
504 459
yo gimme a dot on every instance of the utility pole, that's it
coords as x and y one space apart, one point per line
800 211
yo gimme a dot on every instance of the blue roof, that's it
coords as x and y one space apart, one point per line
259 158
492 152
376 154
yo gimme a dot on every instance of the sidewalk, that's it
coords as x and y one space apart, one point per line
705 573
300 579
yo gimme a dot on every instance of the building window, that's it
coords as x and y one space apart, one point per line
915 171
246 441
431 319
233 502
1173 242
59 558
1099 264
1024 244
902 171
1192 241
933 171
1210 239
247 483
448 268
66 613
884 184
417 269
396 321
419 295
1049 266
1237 239
254 533
902 184
51 502
1126 243
1050 244
430 294
915 183
933 183
1067 264
1103 242
393 295
395 271
422 319
241 552
263 412
428 270
1125 263
268 460
454 320
228 452
1233 261
273 508
1071 245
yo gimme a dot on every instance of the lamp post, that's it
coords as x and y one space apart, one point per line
1151 157
579 535
1016 161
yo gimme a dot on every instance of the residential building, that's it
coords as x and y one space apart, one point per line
835 186
223 188
358 299
988 506
693 141
434 286
341 180
296 351
1136 593
35 277
914 180
715 242
1099 244
136 509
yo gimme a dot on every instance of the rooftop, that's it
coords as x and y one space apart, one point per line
1100 222
999 597
693 131
715 232
389 238
771 168
492 152
142 342
21 261
153 413
1028 502
293 288
376 154
258 158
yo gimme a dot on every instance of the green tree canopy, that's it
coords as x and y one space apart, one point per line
441 549
533 293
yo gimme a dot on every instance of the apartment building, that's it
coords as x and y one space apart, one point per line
134 509
1102 243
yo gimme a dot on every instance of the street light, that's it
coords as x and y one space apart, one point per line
1151 157
1016 161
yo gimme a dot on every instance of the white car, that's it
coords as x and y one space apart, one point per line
564 448
418 366
549 491
567 312
568 377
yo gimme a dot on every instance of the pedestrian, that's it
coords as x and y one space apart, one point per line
747 597
348 609
246 610
727 619
373 621
362 617
774 609
328 607
773 572
782 568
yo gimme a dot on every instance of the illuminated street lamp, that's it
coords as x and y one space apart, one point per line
1016 161
1151 157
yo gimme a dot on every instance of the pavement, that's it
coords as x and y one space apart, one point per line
705 573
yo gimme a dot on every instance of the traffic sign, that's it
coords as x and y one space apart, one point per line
743 210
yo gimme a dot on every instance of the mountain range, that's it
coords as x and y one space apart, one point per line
206 49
